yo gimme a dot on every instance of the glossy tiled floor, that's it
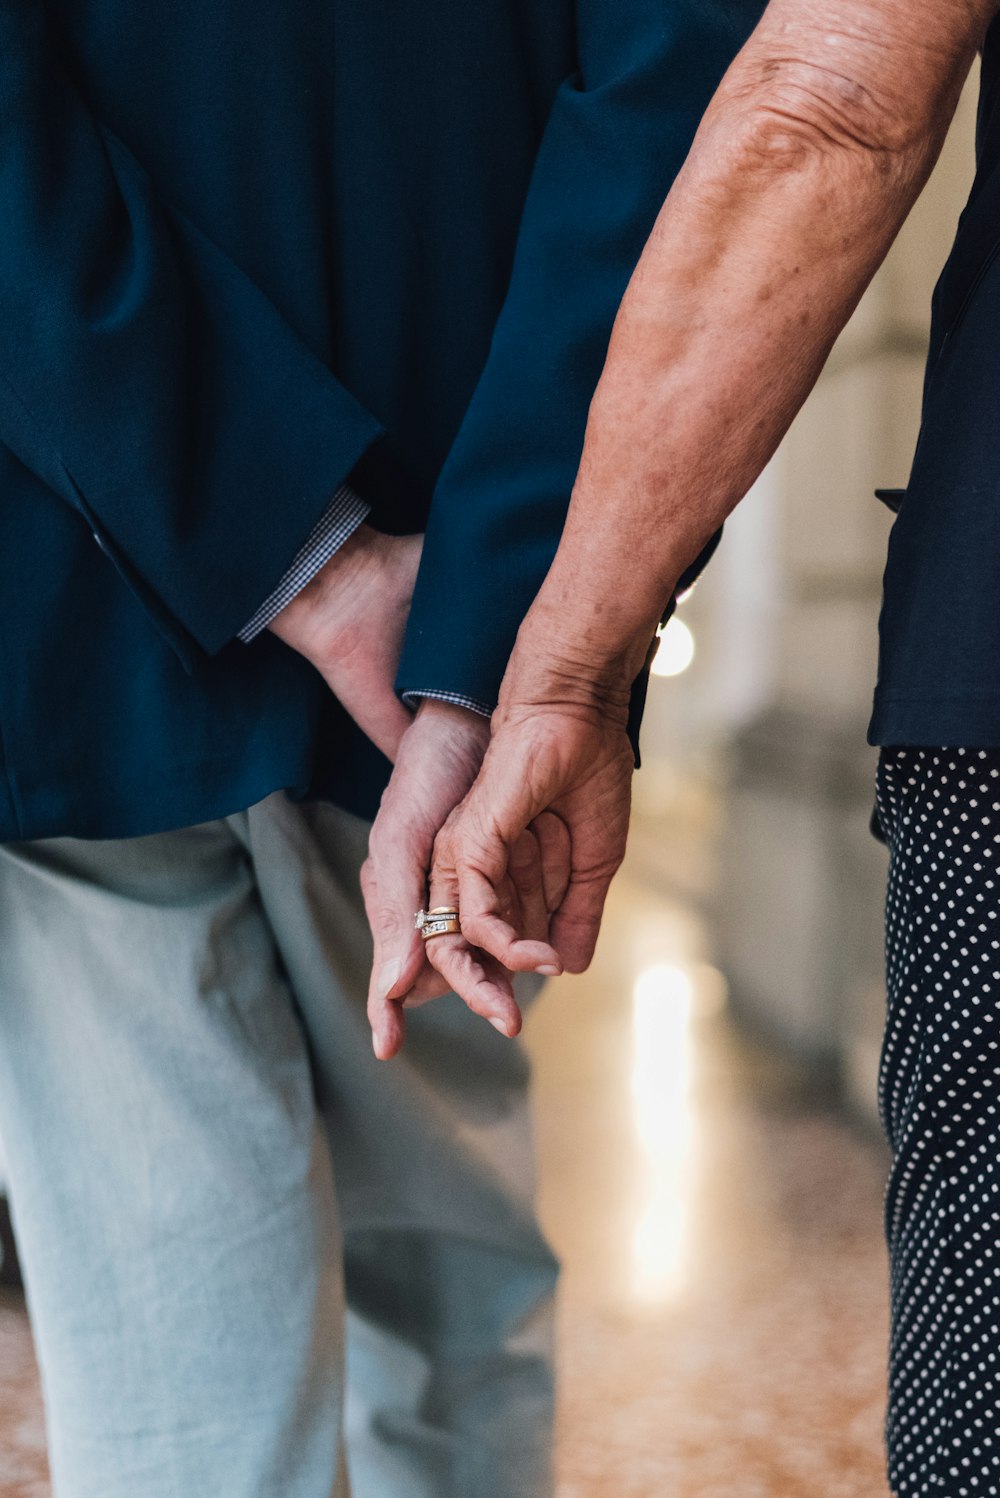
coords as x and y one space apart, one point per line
723 1313
724 1301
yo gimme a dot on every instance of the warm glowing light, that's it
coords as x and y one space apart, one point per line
663 1002
676 649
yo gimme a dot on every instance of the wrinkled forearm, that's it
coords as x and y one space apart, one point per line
807 163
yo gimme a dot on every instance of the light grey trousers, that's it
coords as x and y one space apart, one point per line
220 1196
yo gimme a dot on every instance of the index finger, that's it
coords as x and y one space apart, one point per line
481 982
469 872
484 925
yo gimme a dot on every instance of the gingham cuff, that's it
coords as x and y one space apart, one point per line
412 699
344 514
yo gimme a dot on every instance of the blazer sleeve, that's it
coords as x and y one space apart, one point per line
618 133
143 376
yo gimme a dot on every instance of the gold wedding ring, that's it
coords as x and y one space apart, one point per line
441 921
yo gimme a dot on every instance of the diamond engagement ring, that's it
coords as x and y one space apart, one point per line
441 921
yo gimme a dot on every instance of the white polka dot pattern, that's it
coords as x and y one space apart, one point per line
940 1100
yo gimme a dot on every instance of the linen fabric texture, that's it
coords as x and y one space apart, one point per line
257 1259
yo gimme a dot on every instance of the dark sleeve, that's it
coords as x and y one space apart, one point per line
618 133
143 376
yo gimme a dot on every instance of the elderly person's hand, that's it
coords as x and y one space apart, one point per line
807 162
569 759
349 623
438 760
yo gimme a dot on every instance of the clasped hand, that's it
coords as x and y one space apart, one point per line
522 832
526 855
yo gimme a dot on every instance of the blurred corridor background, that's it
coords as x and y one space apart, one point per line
711 1169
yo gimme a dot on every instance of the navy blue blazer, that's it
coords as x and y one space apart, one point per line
247 251
939 657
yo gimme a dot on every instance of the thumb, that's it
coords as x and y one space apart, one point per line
398 960
472 858
577 923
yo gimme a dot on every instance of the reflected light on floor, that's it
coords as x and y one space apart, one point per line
663 1004
722 1323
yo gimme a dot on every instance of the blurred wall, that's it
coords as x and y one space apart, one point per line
776 705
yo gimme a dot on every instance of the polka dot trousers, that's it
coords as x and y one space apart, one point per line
939 1093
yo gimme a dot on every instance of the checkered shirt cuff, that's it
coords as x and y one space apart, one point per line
344 514
412 699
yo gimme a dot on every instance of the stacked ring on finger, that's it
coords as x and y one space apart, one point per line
441 921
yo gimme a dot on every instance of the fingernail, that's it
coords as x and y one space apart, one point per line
502 1026
548 970
389 976
375 1046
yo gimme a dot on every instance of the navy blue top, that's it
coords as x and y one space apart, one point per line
249 250
939 660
